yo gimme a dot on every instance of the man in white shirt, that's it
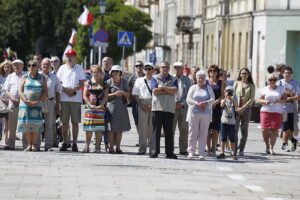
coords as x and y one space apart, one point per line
72 77
143 98
54 89
11 87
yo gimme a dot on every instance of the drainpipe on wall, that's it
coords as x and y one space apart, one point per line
251 34
203 32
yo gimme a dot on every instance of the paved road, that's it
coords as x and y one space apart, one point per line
56 175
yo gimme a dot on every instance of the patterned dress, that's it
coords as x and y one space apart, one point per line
30 119
94 120
117 107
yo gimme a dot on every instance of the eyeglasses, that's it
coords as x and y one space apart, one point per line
54 61
272 79
148 69
139 65
115 71
213 70
31 65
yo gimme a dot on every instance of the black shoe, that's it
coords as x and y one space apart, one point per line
64 147
7 148
184 153
172 156
74 148
141 153
55 145
119 151
68 145
221 156
153 155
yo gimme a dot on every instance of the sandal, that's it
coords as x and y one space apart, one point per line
119 151
96 151
28 149
112 151
86 150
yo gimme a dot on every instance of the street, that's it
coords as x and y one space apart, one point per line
56 175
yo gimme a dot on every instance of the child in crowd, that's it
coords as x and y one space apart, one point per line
229 103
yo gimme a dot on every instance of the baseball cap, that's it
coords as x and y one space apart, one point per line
149 64
71 52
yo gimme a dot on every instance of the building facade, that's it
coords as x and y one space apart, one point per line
230 33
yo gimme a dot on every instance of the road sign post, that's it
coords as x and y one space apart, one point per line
125 39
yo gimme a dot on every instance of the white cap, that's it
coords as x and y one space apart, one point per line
149 64
179 64
17 61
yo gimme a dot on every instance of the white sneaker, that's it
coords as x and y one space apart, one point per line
190 156
201 157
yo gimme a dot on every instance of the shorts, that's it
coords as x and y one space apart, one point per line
289 123
228 131
270 120
70 109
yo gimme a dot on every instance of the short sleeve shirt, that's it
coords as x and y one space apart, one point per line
293 88
272 95
70 78
53 85
12 83
140 88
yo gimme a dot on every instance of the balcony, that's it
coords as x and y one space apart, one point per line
185 24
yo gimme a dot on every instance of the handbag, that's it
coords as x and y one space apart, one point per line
4 108
45 106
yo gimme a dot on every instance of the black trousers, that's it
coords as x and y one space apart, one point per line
162 119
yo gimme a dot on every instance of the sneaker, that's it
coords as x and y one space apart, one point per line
241 153
63 147
55 145
172 156
190 156
284 147
201 157
74 148
221 156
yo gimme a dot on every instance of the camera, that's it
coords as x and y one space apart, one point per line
230 93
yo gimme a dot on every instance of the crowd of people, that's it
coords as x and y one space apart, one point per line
208 107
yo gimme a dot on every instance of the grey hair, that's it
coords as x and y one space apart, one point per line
201 73
55 58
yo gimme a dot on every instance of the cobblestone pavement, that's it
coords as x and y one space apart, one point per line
56 175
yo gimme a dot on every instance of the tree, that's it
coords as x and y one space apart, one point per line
43 26
118 17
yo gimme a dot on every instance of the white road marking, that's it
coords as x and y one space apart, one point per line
236 177
272 198
227 169
254 188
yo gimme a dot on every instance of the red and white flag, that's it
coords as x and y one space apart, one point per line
73 37
71 43
86 17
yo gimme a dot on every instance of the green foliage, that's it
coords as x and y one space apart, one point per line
43 26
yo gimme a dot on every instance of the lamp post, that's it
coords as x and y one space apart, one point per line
102 7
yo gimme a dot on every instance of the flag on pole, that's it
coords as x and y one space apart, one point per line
86 17
71 43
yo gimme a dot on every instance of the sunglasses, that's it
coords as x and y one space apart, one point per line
32 65
272 79
148 69
139 65
115 71
214 70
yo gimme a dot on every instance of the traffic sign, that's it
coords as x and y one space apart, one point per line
125 38
153 57
101 44
101 35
